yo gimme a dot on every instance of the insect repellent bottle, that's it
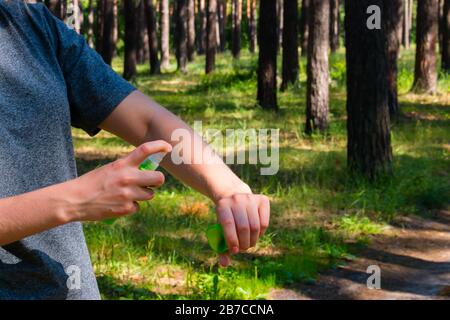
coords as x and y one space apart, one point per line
216 238
149 164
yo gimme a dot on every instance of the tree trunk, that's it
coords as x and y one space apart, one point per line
236 34
267 64
99 27
89 24
142 40
191 30
369 145
425 76
108 43
131 39
335 18
201 39
211 39
445 50
165 32
182 35
253 25
290 44
152 32
280 23
317 69
393 23
304 26
407 23
222 19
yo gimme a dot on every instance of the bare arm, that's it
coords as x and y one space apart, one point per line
109 191
243 215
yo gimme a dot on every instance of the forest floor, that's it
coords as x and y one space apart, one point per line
327 226
413 255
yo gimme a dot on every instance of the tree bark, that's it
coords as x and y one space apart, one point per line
290 44
317 68
335 19
304 26
407 23
222 22
253 25
191 30
445 50
267 64
211 39
131 38
236 33
201 39
89 24
280 23
165 32
182 54
425 76
369 146
393 23
99 26
108 43
152 32
142 39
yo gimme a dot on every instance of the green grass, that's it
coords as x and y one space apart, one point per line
320 214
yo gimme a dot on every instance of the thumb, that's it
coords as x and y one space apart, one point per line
136 157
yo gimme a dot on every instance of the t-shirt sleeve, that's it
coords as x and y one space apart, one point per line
94 89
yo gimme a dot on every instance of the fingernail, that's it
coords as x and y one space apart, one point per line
235 250
223 261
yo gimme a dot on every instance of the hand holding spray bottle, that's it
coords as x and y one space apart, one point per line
214 233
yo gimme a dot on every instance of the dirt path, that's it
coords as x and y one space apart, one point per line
414 258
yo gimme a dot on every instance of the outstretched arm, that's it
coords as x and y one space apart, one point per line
243 215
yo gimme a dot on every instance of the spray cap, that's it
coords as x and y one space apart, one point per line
153 161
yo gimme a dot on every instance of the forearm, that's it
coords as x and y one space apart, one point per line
33 212
149 121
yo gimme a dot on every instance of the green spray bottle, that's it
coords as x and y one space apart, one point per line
149 164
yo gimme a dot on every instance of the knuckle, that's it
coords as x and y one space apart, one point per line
228 222
125 181
124 194
243 228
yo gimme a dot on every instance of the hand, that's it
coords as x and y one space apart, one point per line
113 190
244 218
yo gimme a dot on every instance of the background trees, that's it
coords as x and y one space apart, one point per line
147 31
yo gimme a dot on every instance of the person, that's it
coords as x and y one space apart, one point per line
50 80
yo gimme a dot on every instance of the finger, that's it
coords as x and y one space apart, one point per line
242 226
142 194
253 219
264 214
136 157
153 179
224 260
226 219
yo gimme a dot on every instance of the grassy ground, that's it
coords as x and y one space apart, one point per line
320 215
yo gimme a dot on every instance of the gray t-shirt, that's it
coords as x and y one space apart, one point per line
50 80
